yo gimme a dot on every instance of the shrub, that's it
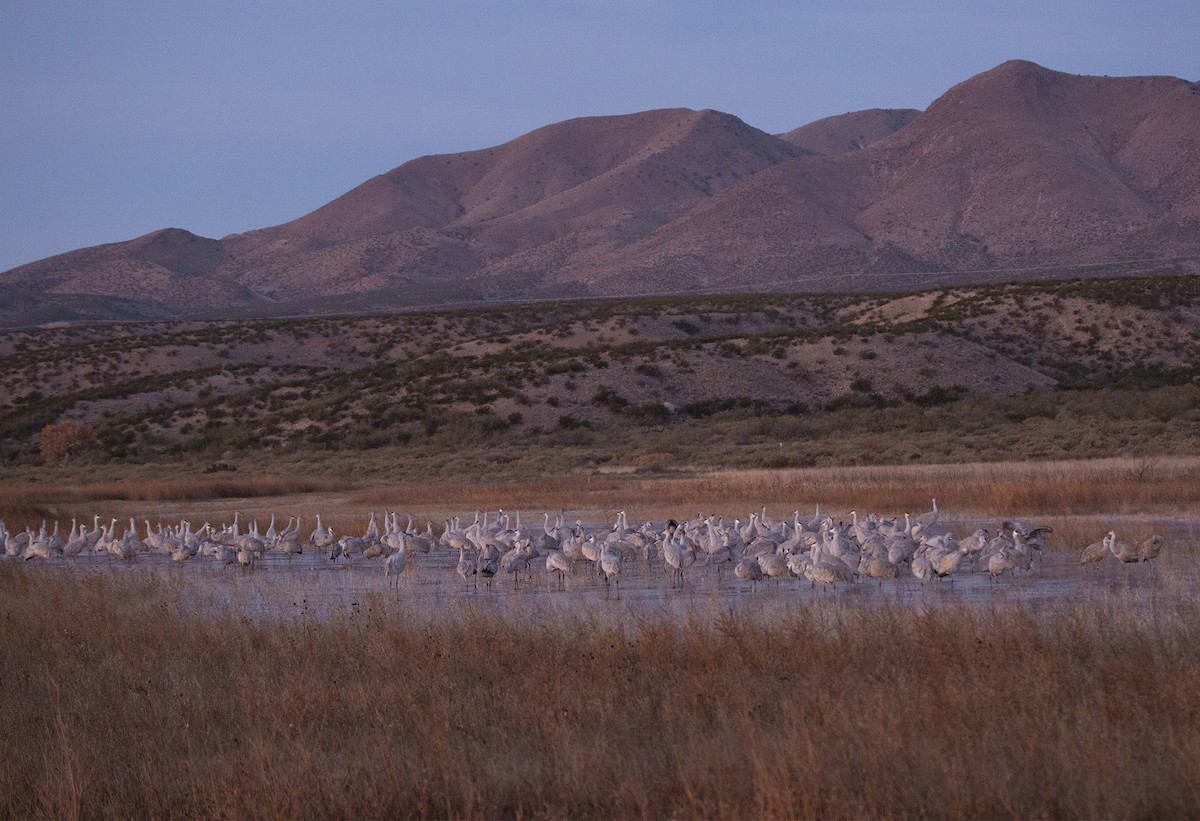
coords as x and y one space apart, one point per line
58 441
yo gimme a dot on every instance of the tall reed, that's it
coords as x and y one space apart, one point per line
121 701
24 503
1005 489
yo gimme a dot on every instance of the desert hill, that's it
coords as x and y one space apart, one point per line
1062 369
1016 173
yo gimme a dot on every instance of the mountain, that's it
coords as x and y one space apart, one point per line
1019 172
157 275
577 188
852 131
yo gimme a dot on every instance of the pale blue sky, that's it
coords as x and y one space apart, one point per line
121 117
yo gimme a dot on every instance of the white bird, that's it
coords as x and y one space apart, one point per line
814 523
76 545
749 570
291 531
572 544
393 565
877 568
901 549
1020 556
417 542
557 562
1122 550
610 564
13 543
551 536
719 556
677 556
922 568
826 572
55 541
466 567
928 520
948 564
321 538
131 536
350 545
289 543
39 547
514 561
487 565
975 543
454 537
798 563
591 552
773 565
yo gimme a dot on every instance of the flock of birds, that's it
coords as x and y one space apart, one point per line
819 549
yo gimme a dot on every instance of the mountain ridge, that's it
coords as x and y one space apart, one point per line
1019 167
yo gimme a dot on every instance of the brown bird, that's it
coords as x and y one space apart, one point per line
1096 551
1150 548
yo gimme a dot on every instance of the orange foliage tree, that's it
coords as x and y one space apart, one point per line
60 440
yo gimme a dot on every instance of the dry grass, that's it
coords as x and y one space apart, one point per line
1003 489
27 503
120 701
1056 491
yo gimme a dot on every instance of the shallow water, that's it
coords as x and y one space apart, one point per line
311 587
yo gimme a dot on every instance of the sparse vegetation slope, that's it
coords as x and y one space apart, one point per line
1070 369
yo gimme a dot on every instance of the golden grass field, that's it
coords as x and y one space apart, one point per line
127 698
